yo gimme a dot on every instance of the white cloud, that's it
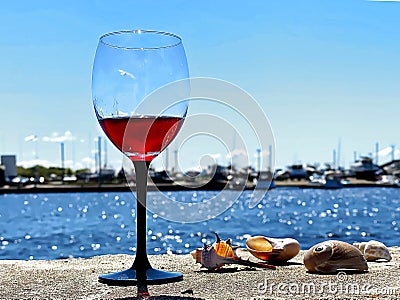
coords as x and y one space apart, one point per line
384 0
35 162
69 164
238 158
236 152
88 160
56 138
214 155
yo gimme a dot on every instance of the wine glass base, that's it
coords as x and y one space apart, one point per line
133 277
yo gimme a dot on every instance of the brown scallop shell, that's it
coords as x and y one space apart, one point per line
273 249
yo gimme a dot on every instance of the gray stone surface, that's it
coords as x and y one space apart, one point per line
77 279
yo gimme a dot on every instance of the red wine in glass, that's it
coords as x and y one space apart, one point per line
142 137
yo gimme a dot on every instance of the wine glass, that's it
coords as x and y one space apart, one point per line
128 67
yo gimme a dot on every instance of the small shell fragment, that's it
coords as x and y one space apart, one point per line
374 250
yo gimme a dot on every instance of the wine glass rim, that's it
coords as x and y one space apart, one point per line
140 31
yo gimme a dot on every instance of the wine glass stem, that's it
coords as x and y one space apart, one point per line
141 261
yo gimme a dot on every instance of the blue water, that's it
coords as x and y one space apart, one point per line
51 226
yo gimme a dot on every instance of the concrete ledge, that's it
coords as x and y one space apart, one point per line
77 279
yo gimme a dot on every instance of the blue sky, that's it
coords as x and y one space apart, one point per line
322 70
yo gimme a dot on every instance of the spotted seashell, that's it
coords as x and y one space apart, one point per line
334 256
273 249
374 250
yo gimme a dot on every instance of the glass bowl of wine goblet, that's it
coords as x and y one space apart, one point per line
128 67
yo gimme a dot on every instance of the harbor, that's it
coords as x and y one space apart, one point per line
364 172
76 188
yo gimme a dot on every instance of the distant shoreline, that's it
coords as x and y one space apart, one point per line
95 188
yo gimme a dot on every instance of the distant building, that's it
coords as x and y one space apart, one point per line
10 164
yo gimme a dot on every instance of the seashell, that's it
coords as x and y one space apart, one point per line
334 256
209 258
221 253
273 249
374 250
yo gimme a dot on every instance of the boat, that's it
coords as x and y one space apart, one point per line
160 177
297 172
364 168
391 168
218 177
329 180
104 175
332 180
389 180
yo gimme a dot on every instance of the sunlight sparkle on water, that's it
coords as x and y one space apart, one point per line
94 224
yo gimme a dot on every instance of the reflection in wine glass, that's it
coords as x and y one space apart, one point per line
128 66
